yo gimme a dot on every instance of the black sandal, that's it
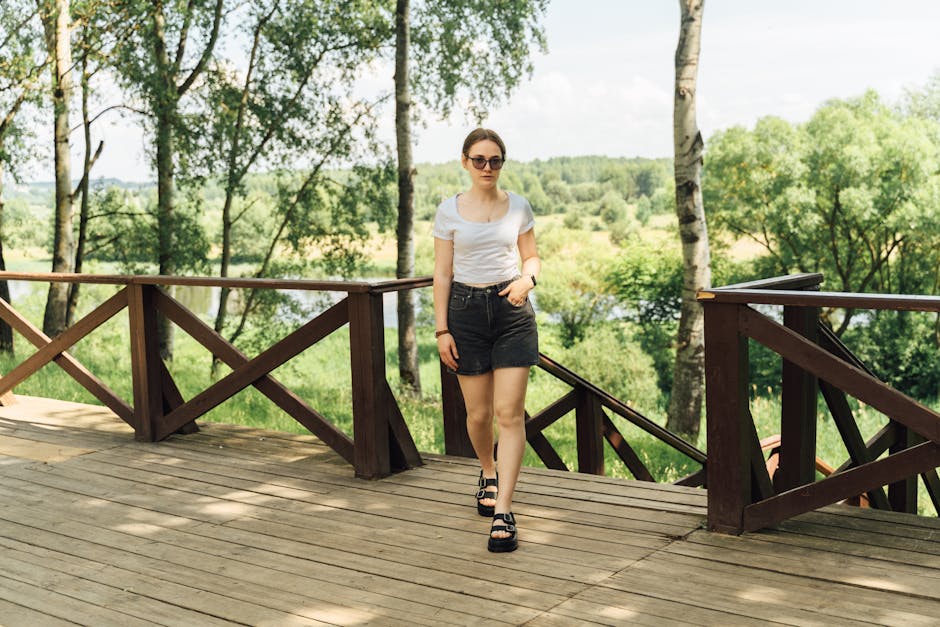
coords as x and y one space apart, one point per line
483 493
507 523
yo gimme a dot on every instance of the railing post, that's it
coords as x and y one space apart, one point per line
456 439
902 495
145 361
590 432
726 410
367 356
797 464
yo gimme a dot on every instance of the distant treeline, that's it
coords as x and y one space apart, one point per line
579 186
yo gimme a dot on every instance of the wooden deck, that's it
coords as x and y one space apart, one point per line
235 525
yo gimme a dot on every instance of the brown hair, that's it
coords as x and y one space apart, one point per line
481 134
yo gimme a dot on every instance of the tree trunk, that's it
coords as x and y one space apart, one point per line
6 333
58 38
164 109
685 404
407 341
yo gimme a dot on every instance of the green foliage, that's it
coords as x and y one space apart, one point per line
610 358
451 39
22 61
850 194
571 288
901 348
647 281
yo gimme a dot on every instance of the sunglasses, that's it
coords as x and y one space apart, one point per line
480 162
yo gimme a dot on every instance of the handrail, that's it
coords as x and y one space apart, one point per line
741 494
231 282
616 405
821 299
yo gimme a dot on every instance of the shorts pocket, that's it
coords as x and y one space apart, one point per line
458 302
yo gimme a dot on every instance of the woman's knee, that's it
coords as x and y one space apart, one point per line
479 418
508 416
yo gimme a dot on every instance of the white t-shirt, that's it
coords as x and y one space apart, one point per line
484 252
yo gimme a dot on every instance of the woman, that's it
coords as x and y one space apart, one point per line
486 331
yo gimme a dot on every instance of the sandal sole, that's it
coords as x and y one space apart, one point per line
502 548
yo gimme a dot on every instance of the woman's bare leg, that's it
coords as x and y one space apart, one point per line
509 388
478 398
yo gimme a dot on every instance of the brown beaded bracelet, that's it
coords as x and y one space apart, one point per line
438 334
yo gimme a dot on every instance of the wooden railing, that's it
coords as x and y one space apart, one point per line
592 427
381 442
742 496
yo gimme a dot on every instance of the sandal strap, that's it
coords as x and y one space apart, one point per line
504 523
486 494
484 482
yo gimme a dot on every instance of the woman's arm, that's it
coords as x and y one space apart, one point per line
443 275
517 291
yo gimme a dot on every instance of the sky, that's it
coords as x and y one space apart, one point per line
605 85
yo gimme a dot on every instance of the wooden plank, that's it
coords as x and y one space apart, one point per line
545 451
252 370
62 342
404 451
245 560
797 454
38 451
785 553
800 281
124 605
367 362
901 302
902 493
316 599
726 376
740 600
173 398
16 614
816 600
852 438
293 405
59 606
456 439
627 455
761 485
620 607
835 488
549 415
589 431
69 364
145 363
297 496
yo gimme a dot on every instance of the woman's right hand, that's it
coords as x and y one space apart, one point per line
447 349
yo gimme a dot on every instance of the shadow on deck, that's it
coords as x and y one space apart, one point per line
237 525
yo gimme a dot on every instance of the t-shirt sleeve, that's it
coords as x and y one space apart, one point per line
528 217
443 226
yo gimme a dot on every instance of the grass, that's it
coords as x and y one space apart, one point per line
321 376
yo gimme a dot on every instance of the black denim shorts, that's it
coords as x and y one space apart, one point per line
489 331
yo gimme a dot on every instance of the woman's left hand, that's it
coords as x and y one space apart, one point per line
517 291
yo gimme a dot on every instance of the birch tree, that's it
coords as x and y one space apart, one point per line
466 54
685 403
56 21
